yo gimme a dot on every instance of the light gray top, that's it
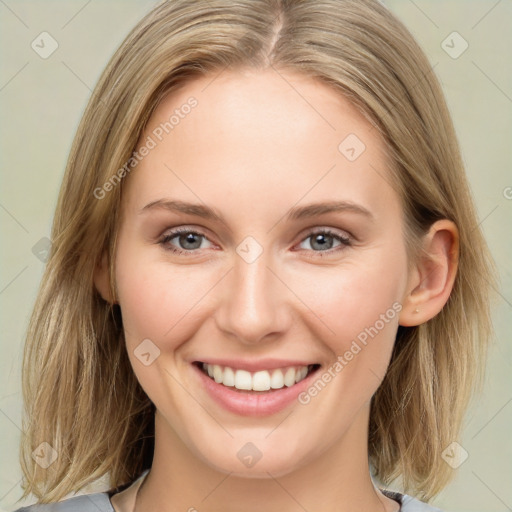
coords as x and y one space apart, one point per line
100 502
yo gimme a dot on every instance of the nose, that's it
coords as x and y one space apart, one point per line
253 306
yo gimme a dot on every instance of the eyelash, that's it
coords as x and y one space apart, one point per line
164 242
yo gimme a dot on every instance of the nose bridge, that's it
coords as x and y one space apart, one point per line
253 305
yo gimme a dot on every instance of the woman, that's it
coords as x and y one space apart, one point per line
267 286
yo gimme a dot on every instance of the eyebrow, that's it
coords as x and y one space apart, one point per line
296 213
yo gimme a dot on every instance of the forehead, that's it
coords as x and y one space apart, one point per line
288 105
269 135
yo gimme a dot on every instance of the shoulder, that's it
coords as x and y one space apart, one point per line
408 503
97 502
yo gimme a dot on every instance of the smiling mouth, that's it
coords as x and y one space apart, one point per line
262 381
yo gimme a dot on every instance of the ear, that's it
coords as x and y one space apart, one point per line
431 280
102 278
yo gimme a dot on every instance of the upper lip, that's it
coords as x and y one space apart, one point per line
255 365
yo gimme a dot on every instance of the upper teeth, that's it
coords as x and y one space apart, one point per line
257 381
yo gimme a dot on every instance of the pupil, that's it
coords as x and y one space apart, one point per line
321 239
189 239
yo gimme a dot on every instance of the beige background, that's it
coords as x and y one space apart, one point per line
42 101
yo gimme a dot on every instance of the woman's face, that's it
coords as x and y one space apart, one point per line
263 281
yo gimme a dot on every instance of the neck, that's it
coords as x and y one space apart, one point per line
336 480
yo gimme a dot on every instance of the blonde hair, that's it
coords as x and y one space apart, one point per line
81 395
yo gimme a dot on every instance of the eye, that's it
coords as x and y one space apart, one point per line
323 240
188 239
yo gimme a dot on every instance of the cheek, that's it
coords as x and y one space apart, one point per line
158 302
361 309
359 301
157 299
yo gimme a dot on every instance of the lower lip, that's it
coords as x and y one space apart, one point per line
252 404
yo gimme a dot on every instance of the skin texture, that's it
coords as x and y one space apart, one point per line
258 144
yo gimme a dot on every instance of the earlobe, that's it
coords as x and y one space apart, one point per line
102 279
432 279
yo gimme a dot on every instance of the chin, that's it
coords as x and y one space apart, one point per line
251 462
